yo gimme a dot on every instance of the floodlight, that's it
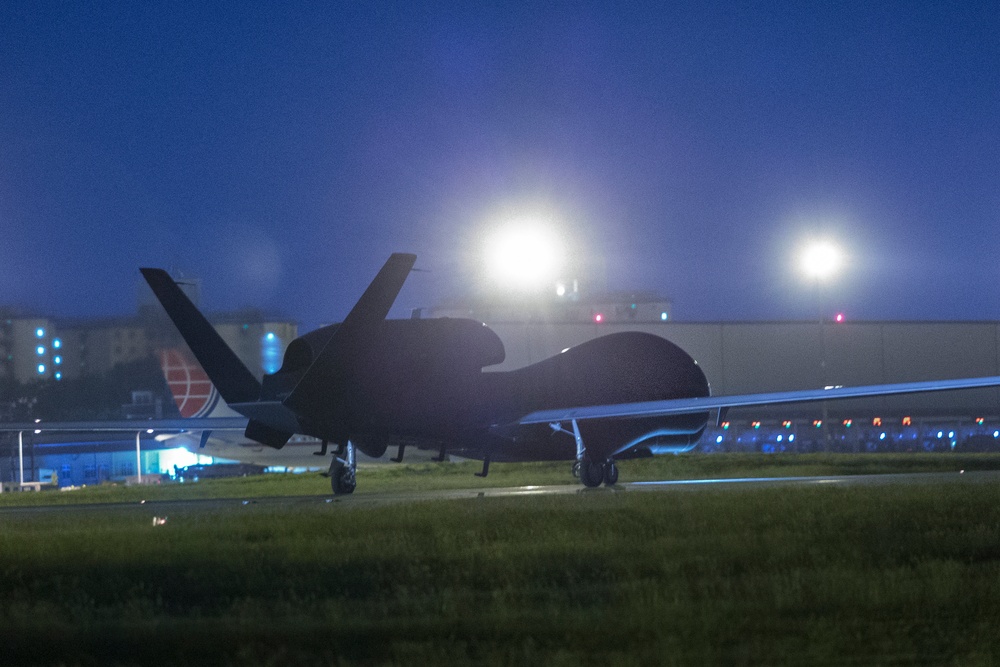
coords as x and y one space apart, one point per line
821 259
525 255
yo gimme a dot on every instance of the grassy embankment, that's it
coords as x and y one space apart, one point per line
383 478
805 575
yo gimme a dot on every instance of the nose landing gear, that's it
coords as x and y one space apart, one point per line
343 471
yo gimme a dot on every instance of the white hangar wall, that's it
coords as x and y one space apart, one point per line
752 357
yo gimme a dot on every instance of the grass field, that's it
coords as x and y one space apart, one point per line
381 478
792 575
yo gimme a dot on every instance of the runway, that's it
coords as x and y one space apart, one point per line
368 500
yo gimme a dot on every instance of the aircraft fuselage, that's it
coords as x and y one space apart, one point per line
422 382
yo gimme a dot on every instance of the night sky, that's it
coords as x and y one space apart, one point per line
281 151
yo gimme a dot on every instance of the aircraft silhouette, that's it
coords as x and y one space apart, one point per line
369 383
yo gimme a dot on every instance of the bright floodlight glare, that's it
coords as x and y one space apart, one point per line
821 260
524 256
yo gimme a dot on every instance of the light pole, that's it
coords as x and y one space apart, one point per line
820 261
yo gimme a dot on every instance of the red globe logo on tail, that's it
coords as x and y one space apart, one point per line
193 392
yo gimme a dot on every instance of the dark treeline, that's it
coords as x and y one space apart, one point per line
97 396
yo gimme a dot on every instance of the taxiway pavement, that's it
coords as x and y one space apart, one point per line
358 500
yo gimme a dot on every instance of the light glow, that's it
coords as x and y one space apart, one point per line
180 458
270 352
525 255
821 259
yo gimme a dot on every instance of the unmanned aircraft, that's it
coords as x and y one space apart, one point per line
369 383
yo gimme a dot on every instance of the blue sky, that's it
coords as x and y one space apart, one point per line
281 151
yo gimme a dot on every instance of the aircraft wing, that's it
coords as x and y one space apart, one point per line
680 406
131 426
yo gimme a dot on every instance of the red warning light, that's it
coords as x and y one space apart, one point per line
839 317
599 317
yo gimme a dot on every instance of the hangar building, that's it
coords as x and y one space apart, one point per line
752 357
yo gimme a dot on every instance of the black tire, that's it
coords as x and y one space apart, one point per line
342 480
610 473
576 469
592 473
348 482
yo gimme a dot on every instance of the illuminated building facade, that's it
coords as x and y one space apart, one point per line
43 348
29 348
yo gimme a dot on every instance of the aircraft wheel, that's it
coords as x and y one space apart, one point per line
342 480
576 469
610 473
592 473
348 482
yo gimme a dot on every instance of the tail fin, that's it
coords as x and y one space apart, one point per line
273 422
355 333
227 372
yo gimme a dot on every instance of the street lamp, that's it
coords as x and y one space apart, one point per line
820 261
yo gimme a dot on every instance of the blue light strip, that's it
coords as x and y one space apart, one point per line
737 480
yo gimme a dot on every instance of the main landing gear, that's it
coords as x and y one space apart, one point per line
592 473
344 469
